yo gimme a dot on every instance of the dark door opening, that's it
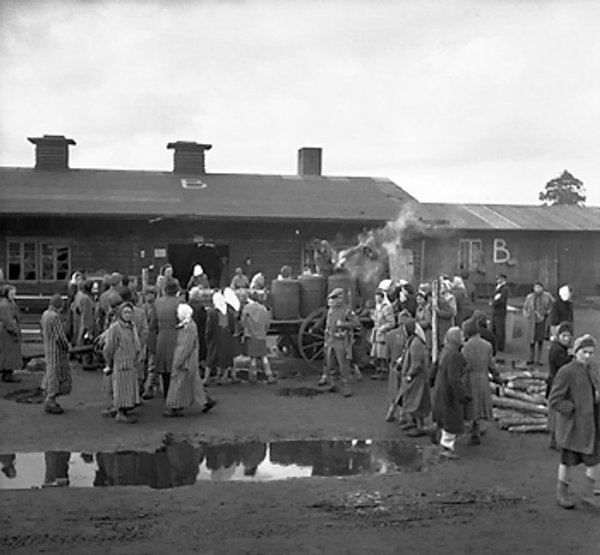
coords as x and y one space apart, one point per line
211 257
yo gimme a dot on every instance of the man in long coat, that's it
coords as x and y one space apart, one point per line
499 304
10 334
575 397
57 379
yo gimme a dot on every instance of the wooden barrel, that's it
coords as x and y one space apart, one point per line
348 283
285 299
312 294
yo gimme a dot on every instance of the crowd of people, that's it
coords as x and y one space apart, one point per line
436 351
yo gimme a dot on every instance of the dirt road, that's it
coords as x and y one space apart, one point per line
497 499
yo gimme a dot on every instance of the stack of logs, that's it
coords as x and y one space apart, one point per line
520 405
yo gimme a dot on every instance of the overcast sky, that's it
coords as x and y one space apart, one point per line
461 101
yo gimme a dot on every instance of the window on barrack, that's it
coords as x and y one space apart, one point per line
31 260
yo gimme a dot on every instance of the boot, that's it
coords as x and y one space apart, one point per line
7 376
324 380
588 498
346 391
123 418
357 373
562 495
52 407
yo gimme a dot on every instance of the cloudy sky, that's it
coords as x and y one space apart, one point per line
462 101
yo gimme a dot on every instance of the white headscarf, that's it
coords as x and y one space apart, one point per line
219 302
232 299
184 313
565 293
198 270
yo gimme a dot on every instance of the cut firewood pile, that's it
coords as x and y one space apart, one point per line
520 405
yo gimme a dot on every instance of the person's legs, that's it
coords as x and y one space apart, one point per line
252 371
341 355
267 370
327 366
590 487
151 377
531 353
166 380
563 497
540 350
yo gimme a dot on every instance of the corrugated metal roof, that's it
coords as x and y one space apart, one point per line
509 216
29 191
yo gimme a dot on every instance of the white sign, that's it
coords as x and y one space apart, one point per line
501 252
160 253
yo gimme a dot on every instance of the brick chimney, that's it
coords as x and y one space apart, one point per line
51 152
309 161
188 157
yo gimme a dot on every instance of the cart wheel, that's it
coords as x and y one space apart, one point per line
311 338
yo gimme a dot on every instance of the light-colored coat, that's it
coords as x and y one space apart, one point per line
383 322
477 353
57 379
572 397
529 311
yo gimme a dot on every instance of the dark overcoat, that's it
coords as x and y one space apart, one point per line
448 391
10 335
578 417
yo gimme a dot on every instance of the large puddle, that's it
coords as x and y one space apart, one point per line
181 464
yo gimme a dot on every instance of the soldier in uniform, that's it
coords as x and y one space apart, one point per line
340 322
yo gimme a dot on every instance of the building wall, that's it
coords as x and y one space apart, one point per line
554 258
102 245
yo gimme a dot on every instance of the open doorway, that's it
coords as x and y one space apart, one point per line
212 258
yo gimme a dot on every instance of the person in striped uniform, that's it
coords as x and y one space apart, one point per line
185 387
57 378
122 354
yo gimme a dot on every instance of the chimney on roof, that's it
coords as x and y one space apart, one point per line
51 152
188 157
309 161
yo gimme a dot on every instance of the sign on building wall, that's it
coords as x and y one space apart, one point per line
160 253
501 252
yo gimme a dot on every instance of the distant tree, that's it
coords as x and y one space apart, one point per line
565 189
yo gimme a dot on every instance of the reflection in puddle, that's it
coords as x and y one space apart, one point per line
180 464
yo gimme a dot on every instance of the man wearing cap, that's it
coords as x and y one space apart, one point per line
575 397
340 322
499 302
110 298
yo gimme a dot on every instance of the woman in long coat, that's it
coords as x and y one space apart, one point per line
57 378
449 394
536 310
185 388
424 317
122 353
163 325
383 322
477 352
416 399
558 356
10 334
575 396
220 328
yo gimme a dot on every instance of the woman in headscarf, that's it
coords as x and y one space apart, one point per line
558 356
415 395
57 377
477 353
185 388
575 396
449 395
481 319
446 310
383 321
10 334
536 309
423 317
220 328
198 279
562 309
122 354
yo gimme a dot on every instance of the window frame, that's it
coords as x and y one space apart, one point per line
472 263
39 242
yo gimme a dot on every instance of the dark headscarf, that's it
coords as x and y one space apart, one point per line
120 309
480 317
56 301
4 289
410 327
87 286
470 327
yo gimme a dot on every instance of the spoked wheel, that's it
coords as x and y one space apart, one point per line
311 338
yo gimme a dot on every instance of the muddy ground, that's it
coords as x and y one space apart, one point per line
497 499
